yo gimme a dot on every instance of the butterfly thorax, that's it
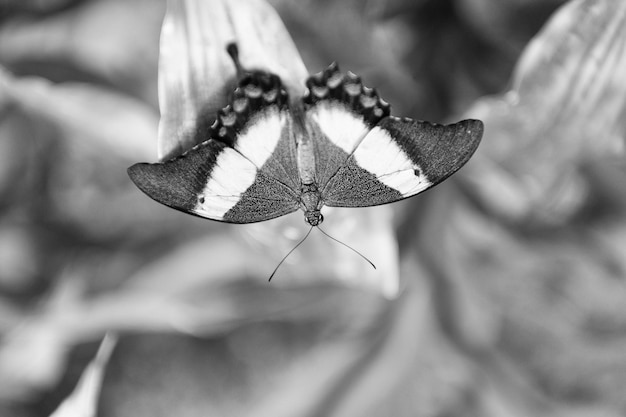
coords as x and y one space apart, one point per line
311 203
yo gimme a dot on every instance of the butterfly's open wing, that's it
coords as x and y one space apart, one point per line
365 157
340 112
245 172
399 158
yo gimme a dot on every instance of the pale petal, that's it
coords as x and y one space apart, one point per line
195 71
83 401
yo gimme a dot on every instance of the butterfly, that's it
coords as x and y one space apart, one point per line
269 154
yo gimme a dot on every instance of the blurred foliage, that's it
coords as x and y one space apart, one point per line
512 297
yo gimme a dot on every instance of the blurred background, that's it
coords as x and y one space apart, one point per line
512 297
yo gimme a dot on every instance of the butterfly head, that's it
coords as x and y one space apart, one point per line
313 217
311 203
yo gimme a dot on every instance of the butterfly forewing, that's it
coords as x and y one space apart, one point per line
399 158
245 172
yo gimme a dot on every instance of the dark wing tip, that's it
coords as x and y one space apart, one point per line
474 127
472 133
142 176
164 183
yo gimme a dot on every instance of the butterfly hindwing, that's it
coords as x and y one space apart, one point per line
245 172
399 158
261 127
341 111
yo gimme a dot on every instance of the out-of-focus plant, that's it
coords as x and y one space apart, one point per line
510 291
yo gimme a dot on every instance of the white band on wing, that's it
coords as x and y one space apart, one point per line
379 154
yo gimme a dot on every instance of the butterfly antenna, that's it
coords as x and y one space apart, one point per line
233 51
347 246
289 253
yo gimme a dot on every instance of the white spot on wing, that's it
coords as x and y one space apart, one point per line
258 140
341 126
379 154
231 176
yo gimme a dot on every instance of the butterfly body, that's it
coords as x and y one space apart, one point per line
268 154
